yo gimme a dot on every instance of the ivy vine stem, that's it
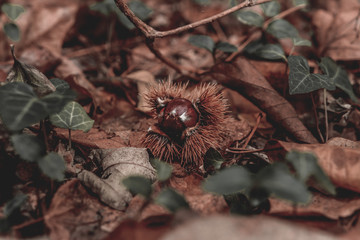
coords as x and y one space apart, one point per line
326 118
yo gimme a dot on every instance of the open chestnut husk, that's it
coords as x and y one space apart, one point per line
188 123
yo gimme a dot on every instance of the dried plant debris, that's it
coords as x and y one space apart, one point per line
188 124
22 72
117 165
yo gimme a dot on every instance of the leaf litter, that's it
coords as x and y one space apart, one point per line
111 84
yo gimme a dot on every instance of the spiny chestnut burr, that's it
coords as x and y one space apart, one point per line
188 123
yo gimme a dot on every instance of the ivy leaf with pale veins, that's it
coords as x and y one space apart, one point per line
230 180
22 72
271 52
302 81
163 169
306 165
277 180
12 31
202 41
338 75
271 8
29 147
53 166
282 29
171 200
21 107
250 18
60 85
298 41
13 11
138 185
73 116
225 47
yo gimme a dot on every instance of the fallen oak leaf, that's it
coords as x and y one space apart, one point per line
242 77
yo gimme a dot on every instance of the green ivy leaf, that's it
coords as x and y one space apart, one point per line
53 166
277 180
139 9
271 52
271 8
60 85
202 41
306 165
21 107
302 81
105 7
138 185
72 116
225 47
29 147
21 72
250 18
171 200
12 31
300 2
282 29
228 181
13 11
4 225
14 204
213 160
202 2
298 41
337 75
163 169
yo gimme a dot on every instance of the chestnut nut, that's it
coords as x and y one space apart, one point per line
188 123
176 116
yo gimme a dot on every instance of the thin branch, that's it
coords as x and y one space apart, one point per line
151 33
326 118
258 119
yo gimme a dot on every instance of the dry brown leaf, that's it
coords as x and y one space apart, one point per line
75 214
149 229
231 228
241 76
201 202
331 207
117 165
341 164
337 35
95 138
69 71
143 79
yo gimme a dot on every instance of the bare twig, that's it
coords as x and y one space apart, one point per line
326 118
258 119
151 33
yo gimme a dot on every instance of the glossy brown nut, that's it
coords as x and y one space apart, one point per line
178 115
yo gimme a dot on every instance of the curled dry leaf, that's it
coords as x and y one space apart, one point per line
117 164
320 205
341 164
242 77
